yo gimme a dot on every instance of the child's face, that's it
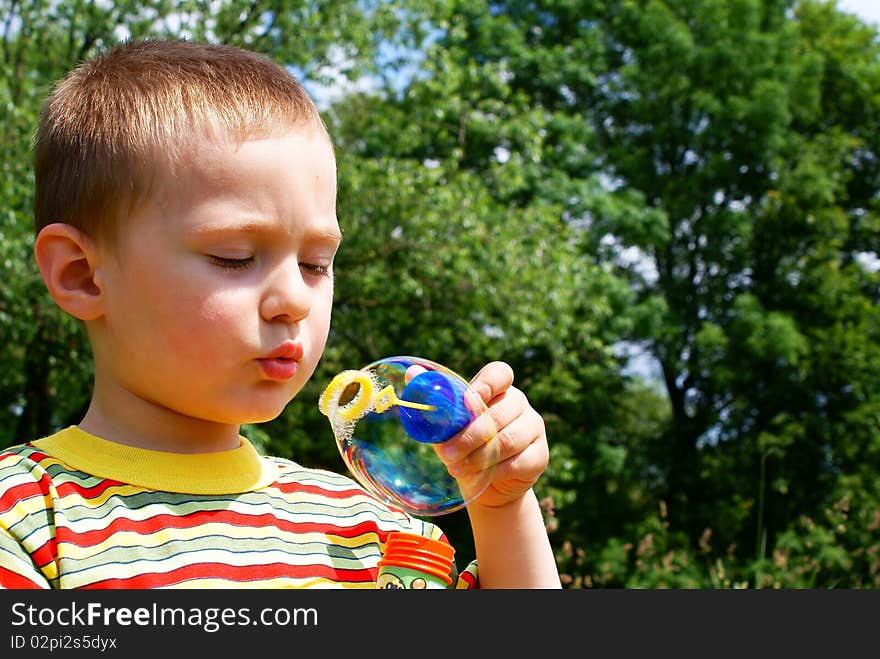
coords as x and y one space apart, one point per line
218 295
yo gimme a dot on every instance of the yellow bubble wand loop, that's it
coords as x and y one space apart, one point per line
366 399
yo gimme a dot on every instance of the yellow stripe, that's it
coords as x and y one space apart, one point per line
77 498
22 508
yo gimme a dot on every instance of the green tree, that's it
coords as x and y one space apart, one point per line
718 156
755 132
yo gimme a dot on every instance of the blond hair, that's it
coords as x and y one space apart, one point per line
115 120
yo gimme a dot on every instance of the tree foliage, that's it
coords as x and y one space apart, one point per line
562 184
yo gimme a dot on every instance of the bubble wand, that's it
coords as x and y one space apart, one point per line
389 416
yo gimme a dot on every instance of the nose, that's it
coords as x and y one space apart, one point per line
286 297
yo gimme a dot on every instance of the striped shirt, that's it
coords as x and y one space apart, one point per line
77 511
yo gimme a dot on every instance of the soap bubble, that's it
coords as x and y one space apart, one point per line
388 419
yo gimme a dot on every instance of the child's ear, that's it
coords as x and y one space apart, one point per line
66 258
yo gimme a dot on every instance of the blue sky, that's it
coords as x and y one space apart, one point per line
868 10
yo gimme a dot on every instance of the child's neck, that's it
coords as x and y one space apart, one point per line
162 430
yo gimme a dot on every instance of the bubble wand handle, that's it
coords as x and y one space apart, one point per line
413 562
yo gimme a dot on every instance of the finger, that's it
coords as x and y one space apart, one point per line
492 380
512 440
413 371
517 473
502 413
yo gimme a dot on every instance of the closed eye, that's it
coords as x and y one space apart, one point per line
315 269
231 264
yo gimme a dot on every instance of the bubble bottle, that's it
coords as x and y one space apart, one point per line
390 417
413 562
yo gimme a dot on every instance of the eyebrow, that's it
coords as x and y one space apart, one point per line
330 236
256 226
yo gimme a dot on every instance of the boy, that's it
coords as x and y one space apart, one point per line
185 212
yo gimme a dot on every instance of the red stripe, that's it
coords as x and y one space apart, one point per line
35 456
468 578
333 494
93 492
234 573
45 554
15 581
317 489
25 491
166 521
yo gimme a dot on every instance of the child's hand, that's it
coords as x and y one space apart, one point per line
521 441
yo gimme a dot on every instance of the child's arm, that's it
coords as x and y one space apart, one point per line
513 550
512 546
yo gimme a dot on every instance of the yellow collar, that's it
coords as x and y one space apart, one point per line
224 472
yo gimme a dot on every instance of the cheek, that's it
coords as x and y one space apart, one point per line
199 327
321 323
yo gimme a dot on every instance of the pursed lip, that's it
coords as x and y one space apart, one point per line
281 364
289 350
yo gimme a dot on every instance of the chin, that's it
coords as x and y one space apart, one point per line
261 408
263 418
258 416
262 415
